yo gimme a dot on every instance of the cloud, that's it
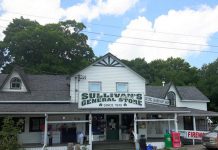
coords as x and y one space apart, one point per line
201 22
94 42
89 11
142 10
44 12
50 11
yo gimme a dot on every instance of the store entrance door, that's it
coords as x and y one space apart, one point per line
112 127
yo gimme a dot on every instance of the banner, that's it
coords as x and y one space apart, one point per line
155 100
111 100
190 134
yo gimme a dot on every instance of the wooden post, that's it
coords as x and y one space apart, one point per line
135 128
45 131
194 128
175 122
90 131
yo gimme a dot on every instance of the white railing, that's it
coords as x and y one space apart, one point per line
82 147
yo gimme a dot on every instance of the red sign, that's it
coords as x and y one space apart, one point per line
188 134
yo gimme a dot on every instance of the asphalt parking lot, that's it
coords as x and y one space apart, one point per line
195 147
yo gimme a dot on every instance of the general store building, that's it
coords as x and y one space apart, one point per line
107 101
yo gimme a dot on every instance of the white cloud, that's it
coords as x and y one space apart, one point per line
43 11
201 22
94 42
50 11
88 10
142 10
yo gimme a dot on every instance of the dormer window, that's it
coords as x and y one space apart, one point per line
15 83
172 98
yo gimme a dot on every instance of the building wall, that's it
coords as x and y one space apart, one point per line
7 85
28 137
108 76
190 104
195 105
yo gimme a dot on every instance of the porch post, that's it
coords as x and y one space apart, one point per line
168 124
135 128
175 122
194 128
90 131
45 131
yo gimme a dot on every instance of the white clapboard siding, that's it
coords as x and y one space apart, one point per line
108 76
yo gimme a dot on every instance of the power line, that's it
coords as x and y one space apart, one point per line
31 15
113 26
145 39
151 31
195 44
142 45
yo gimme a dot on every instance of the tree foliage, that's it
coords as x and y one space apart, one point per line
208 83
8 134
168 70
4 57
58 48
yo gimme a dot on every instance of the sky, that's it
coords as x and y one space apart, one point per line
149 29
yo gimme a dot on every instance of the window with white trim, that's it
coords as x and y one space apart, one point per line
94 86
122 87
172 98
15 83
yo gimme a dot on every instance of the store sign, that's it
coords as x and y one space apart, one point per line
111 100
157 100
190 134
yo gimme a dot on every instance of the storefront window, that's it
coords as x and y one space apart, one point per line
127 123
188 122
201 124
98 124
122 86
95 86
36 124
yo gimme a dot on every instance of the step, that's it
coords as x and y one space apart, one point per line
113 145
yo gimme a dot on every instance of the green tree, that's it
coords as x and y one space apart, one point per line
140 66
208 83
4 57
8 134
173 69
59 48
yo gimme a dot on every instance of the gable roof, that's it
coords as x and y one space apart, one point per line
107 62
43 88
22 75
185 92
191 93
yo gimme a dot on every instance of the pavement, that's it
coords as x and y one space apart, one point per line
190 147
195 147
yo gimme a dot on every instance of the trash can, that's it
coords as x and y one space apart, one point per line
142 143
167 140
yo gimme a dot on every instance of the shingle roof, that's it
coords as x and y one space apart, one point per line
185 92
42 88
73 108
191 93
197 112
